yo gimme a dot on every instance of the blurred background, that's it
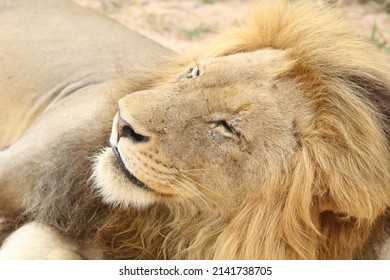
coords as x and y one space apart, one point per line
184 24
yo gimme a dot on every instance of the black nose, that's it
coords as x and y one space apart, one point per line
125 130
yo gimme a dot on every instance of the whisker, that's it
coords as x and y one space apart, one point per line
192 171
208 198
200 185
194 191
167 180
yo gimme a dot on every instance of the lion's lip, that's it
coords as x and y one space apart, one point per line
128 174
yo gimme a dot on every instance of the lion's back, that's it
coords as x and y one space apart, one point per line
57 49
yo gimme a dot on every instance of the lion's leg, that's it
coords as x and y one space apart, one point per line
36 241
28 160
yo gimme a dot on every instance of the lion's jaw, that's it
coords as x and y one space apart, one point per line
211 135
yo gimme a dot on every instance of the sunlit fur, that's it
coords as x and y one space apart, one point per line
328 200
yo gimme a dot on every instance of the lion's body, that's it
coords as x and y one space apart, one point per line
60 64
275 146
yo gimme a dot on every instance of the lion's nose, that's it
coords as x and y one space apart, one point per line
126 130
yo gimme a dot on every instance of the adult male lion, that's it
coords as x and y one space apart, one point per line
273 144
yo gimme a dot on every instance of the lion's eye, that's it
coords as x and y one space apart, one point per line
225 125
225 129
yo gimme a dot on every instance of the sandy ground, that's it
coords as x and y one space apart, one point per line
177 24
184 24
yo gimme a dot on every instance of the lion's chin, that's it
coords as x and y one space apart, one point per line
113 185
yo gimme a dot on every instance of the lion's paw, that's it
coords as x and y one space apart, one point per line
35 241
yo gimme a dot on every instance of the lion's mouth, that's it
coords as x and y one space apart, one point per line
128 174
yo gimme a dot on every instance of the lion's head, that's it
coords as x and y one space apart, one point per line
271 145
213 136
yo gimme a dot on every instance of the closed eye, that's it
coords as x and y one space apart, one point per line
225 125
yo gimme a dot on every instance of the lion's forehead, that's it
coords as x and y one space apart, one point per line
236 67
230 81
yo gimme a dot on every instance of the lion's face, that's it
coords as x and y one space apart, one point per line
212 135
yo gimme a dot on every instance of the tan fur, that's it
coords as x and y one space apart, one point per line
307 174
273 145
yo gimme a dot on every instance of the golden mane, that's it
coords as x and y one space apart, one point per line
333 201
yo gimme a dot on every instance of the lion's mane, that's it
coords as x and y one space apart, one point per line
343 162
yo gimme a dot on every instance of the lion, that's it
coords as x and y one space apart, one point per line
271 142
